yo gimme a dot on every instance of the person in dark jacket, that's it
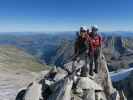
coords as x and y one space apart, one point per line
80 46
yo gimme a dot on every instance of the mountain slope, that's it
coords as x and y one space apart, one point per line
14 58
17 69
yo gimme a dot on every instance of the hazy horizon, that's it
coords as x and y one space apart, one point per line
65 32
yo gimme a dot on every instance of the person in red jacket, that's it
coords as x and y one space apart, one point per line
94 42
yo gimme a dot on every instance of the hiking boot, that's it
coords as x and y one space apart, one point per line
96 71
92 77
91 73
84 71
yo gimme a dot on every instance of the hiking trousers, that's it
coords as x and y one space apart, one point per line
94 59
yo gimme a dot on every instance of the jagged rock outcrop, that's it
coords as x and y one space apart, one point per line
115 42
69 84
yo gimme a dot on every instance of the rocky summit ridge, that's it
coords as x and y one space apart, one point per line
70 84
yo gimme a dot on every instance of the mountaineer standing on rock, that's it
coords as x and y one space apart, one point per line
94 42
80 46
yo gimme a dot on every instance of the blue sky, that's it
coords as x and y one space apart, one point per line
65 15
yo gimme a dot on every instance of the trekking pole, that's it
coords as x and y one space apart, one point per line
73 59
78 54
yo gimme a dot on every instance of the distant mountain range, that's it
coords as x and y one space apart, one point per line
122 33
119 33
57 48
